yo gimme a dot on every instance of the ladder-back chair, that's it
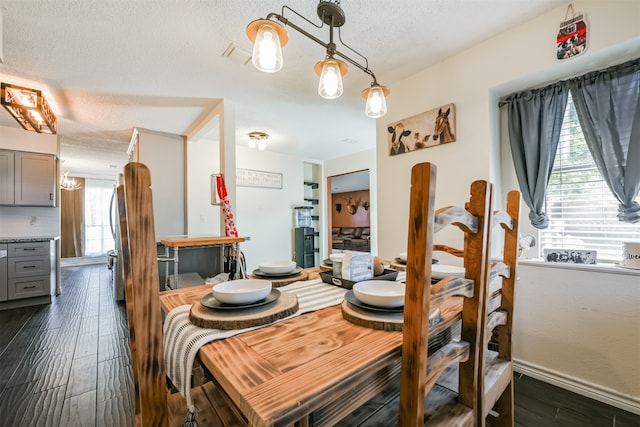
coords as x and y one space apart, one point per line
154 406
495 385
420 370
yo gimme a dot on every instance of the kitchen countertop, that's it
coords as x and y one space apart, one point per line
27 239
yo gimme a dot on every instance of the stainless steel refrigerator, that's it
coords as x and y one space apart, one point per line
114 256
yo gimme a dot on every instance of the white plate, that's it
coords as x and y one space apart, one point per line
277 267
380 293
243 291
440 271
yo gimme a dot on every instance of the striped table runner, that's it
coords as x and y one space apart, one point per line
182 339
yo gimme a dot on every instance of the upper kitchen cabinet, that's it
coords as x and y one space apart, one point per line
6 177
30 179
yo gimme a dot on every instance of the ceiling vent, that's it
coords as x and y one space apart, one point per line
237 54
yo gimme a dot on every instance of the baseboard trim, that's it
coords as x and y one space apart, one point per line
576 385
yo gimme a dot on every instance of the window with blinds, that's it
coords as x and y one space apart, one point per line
582 210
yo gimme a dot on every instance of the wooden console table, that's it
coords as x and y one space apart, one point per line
172 246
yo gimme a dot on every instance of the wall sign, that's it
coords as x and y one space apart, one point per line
572 37
254 178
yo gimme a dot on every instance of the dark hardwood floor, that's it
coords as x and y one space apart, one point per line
68 364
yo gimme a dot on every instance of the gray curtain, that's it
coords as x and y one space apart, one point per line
608 107
535 120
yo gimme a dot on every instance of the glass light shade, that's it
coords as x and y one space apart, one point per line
376 103
262 144
252 143
267 50
330 85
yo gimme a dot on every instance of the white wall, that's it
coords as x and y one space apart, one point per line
265 215
28 221
164 156
474 80
203 159
580 329
352 163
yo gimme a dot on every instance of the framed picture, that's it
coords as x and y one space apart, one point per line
424 130
570 256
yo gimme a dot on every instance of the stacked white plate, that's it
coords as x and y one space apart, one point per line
277 267
380 293
440 271
243 291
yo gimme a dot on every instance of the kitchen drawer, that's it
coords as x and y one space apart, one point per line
29 287
27 266
29 249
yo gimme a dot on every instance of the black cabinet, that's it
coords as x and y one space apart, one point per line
305 246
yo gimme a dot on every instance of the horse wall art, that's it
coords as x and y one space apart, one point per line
424 130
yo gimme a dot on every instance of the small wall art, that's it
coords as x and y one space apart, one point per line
571 40
424 130
570 256
254 178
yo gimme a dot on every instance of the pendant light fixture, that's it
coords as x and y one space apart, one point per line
67 183
270 36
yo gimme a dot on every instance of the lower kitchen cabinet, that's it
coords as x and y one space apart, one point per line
3 272
28 287
25 274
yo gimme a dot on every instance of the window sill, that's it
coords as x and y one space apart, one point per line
600 267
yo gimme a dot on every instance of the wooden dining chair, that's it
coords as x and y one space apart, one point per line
421 370
495 385
154 406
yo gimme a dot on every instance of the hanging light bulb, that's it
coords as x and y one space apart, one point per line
330 71
268 39
376 105
262 144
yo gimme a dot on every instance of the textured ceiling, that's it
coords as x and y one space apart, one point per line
107 66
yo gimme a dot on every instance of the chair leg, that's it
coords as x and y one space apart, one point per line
504 406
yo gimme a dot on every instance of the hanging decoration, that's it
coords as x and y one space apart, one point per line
230 226
234 257
572 37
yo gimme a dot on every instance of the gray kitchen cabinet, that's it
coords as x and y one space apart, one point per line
6 177
35 179
27 179
3 272
28 270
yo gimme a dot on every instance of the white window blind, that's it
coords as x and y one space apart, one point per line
582 210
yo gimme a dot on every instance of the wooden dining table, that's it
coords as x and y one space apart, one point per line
313 369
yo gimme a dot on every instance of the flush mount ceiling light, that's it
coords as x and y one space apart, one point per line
259 139
270 36
29 108
69 183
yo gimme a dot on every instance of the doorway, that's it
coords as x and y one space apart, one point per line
349 212
85 234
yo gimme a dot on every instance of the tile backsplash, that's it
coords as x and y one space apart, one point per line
29 221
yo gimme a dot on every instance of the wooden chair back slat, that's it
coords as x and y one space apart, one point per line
495 383
126 266
420 295
144 298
